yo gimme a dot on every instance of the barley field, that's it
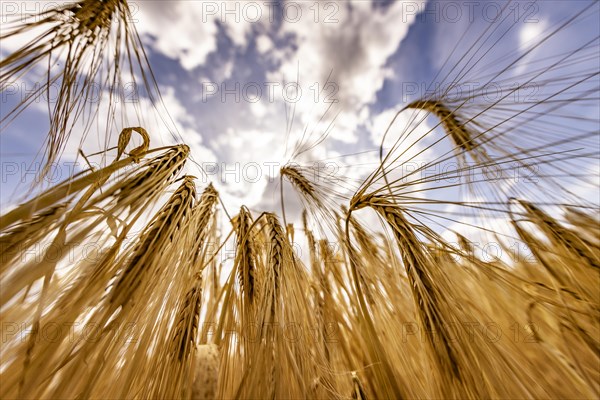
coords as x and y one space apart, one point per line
472 275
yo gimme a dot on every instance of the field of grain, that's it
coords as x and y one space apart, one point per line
132 280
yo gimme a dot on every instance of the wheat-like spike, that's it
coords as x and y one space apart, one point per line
163 168
277 257
133 285
60 193
424 290
169 164
84 231
278 253
565 246
154 238
92 16
465 141
159 232
569 280
204 213
456 130
245 255
242 315
87 285
48 265
187 321
301 183
193 244
562 236
588 226
390 384
415 262
20 237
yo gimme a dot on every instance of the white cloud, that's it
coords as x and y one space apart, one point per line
238 31
354 50
182 30
263 43
258 109
249 160
187 30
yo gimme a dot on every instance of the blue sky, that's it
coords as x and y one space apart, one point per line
228 71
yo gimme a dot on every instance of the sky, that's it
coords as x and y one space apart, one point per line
244 82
